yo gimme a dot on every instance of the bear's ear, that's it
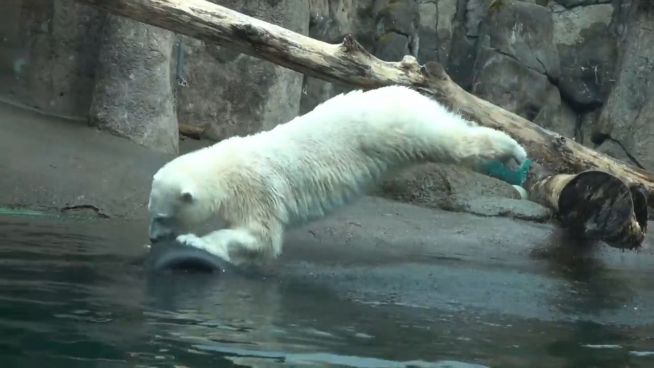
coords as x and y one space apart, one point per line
186 196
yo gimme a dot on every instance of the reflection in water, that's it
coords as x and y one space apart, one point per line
588 284
76 298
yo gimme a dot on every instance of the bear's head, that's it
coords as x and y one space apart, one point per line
177 203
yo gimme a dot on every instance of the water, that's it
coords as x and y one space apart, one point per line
74 294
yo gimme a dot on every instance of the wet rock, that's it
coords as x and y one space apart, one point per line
628 114
229 93
84 210
506 207
67 166
133 94
588 52
459 189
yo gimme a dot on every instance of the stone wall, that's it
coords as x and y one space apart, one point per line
70 60
556 63
227 93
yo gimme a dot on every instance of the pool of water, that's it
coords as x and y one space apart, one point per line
75 294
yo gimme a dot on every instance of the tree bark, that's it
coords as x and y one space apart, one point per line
349 63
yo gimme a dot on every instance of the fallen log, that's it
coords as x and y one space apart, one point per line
349 63
593 205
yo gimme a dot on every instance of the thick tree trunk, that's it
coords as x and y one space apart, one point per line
350 64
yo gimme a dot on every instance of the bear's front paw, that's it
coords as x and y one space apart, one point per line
192 240
519 154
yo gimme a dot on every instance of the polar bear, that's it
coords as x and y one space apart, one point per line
261 184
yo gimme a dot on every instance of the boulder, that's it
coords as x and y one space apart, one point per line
588 53
455 188
524 32
437 185
227 93
516 60
504 81
557 116
133 94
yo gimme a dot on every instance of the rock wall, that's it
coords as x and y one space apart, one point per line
48 54
627 118
227 93
58 56
132 95
578 67
564 64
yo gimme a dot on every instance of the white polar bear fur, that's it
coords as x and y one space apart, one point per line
261 184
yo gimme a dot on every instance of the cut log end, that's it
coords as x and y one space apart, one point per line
598 205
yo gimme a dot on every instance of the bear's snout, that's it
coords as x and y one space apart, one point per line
157 232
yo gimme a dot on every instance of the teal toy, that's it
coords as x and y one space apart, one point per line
499 170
